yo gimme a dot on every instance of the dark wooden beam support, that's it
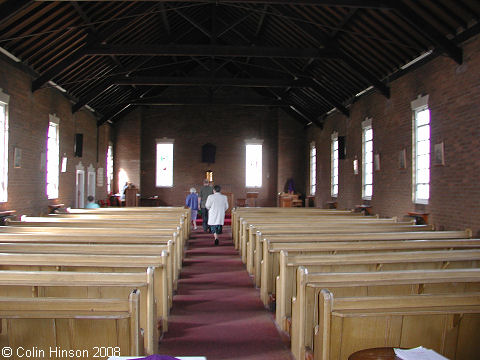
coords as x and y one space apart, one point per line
323 93
380 86
429 31
235 101
340 3
194 23
208 81
68 62
96 91
210 50
11 8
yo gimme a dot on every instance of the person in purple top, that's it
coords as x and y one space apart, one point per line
192 203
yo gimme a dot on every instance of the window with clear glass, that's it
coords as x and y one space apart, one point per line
109 168
53 157
253 164
367 160
164 175
334 165
4 99
313 169
421 160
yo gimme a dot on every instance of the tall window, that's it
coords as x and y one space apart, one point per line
53 157
421 150
253 163
164 176
109 162
4 99
367 159
313 168
334 165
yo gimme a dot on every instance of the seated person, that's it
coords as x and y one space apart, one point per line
91 204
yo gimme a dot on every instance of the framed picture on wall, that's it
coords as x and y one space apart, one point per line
402 159
438 154
17 158
376 162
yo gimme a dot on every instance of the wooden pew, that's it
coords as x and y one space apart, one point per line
393 283
180 212
245 221
341 237
101 223
249 231
271 264
242 221
342 234
448 324
95 249
11 281
99 263
362 261
340 228
97 236
52 323
239 212
85 237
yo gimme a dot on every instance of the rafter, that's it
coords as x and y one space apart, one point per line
10 8
209 100
209 50
340 3
209 81
430 31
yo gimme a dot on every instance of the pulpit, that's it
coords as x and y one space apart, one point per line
131 198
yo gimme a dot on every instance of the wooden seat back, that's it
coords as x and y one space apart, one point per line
45 282
392 283
448 324
358 262
72 324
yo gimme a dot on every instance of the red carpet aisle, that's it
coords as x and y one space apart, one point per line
217 312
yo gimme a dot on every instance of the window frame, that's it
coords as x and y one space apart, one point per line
420 105
334 164
4 132
53 159
171 153
109 166
258 176
313 168
367 159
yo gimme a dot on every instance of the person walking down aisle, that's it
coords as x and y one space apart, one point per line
217 204
192 203
205 191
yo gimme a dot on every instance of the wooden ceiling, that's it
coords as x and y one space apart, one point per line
307 57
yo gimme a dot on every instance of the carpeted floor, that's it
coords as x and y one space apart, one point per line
217 312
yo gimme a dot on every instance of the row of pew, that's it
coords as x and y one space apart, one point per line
339 281
90 283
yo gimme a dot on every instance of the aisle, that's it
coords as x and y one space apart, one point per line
217 312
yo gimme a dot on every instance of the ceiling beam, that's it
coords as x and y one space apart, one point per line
234 101
10 8
65 64
419 23
209 81
210 50
334 3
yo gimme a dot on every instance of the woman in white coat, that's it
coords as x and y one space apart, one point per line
216 204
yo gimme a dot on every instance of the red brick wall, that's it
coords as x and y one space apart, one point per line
127 149
28 120
292 154
226 127
454 101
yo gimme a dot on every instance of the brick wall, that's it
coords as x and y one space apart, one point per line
227 127
28 121
454 101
